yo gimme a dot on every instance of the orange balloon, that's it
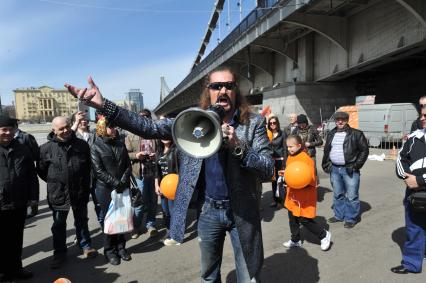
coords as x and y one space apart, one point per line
62 280
168 185
298 175
270 135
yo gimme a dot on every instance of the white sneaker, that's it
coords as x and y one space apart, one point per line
152 231
291 244
135 235
325 243
171 242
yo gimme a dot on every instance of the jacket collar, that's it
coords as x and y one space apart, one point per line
235 119
346 129
419 134
52 137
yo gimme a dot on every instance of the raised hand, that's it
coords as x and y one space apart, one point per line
80 116
91 97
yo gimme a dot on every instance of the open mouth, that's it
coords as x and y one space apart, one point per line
223 101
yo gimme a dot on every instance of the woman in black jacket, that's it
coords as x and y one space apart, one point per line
279 153
111 168
167 163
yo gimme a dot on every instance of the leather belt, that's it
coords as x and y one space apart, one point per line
218 204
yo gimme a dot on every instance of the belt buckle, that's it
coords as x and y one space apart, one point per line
219 204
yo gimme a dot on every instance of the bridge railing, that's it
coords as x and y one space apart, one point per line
249 21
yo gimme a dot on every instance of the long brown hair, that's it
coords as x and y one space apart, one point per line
240 101
273 117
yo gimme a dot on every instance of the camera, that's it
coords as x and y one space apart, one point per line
82 107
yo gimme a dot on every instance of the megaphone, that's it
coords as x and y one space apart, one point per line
197 132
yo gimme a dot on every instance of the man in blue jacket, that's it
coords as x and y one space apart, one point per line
226 181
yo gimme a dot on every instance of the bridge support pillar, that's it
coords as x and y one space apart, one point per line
316 100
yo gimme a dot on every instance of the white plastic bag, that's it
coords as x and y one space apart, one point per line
119 218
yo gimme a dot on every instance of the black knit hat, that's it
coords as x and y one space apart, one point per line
341 115
302 119
6 121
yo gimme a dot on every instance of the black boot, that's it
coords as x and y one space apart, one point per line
113 259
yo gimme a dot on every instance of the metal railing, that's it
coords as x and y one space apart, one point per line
249 21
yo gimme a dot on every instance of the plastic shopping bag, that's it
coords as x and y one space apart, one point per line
281 189
119 217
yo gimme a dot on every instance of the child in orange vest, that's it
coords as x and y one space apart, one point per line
302 203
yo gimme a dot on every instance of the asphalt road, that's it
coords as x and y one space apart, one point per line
362 254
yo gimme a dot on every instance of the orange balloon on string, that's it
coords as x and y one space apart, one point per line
168 185
62 280
269 134
298 175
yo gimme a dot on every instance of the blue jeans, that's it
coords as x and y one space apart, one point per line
147 188
413 250
346 203
59 228
212 227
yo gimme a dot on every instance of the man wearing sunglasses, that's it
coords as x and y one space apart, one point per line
227 181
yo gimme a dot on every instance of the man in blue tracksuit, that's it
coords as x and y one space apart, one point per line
410 167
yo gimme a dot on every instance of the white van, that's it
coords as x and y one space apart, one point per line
381 122
386 122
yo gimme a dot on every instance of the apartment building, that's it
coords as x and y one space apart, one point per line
43 103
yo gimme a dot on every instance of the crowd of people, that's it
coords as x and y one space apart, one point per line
77 163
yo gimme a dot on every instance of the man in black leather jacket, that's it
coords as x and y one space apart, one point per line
345 152
65 166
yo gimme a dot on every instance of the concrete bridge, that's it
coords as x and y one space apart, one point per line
311 56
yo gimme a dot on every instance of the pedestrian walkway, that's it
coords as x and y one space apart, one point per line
362 254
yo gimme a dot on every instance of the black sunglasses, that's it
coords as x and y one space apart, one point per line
422 105
220 85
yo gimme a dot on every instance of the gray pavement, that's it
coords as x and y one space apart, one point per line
362 254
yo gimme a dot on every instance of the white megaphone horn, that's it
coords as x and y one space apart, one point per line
198 132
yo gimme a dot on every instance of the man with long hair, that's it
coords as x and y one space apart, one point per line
227 181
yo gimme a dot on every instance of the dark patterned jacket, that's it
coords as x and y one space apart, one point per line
243 176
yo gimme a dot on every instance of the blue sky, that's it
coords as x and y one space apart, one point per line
123 44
